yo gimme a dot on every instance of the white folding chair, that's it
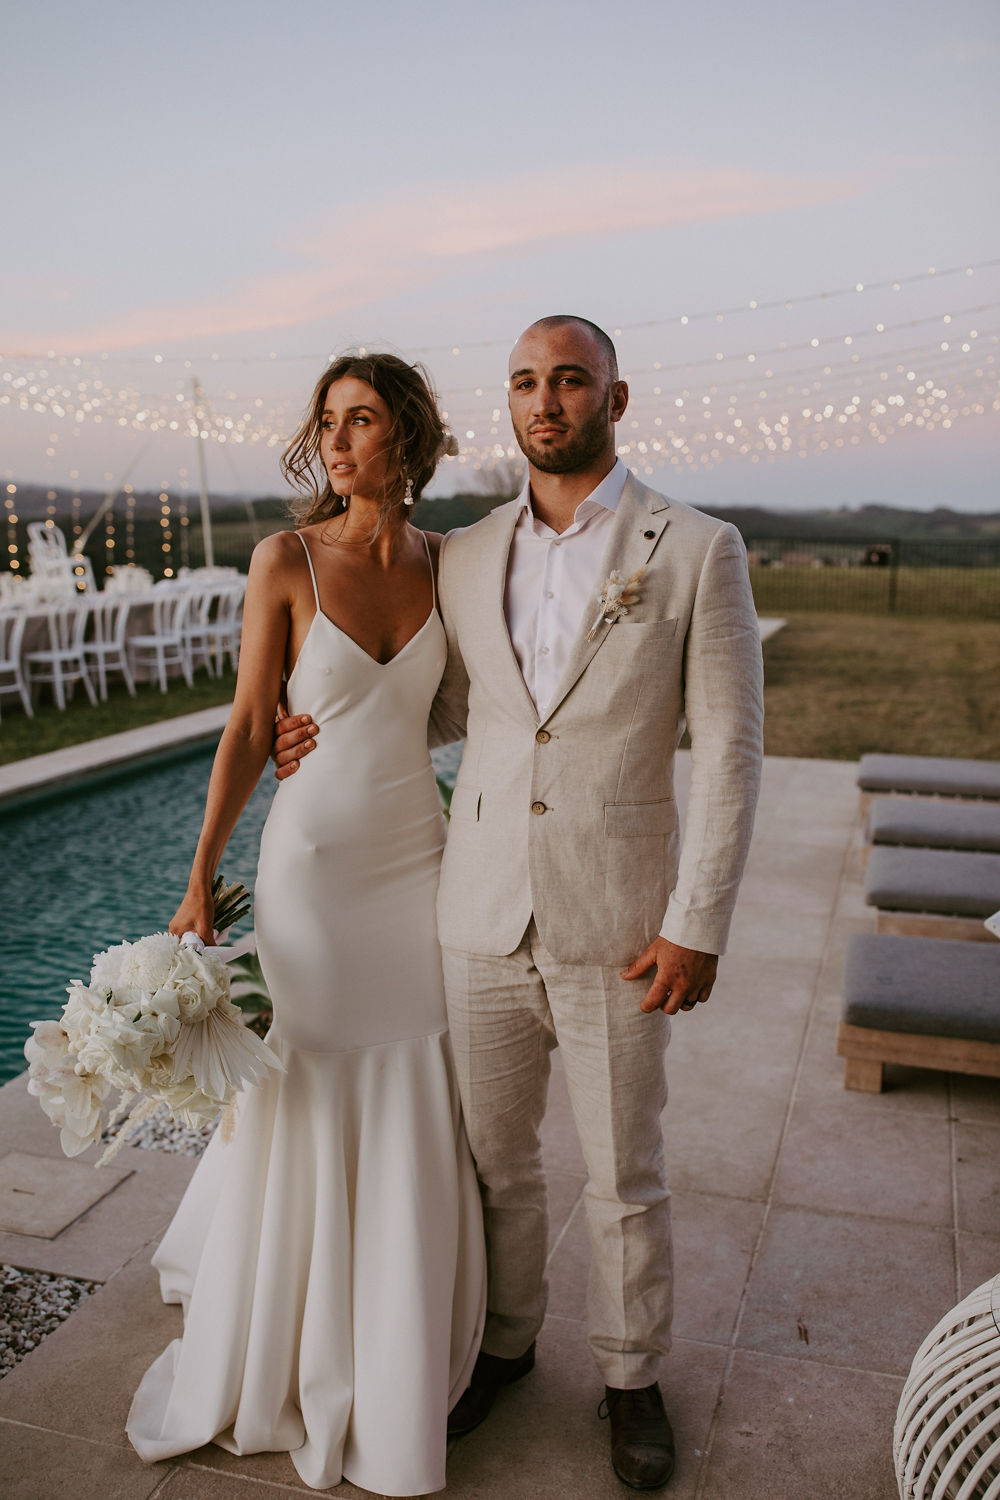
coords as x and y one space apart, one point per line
12 623
62 665
105 648
164 646
213 627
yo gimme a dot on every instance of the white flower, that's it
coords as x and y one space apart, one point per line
72 1099
197 981
186 1102
123 1049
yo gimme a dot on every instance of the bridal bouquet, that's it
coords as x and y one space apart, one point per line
156 1023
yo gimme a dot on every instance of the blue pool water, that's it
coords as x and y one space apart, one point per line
102 863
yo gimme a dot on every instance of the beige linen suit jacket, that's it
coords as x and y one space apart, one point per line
571 817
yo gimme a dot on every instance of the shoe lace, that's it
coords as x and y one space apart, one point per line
645 1402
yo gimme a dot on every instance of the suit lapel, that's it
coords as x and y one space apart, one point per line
495 584
640 520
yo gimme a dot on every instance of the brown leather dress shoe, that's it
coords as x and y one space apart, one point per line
489 1375
642 1441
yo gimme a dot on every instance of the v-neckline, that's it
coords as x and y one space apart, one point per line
322 615
381 665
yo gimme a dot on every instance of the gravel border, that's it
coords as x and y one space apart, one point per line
160 1133
33 1304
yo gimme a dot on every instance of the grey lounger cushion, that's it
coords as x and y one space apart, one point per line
933 880
928 986
930 773
930 822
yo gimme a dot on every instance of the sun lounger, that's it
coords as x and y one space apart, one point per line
931 775
935 823
922 1002
933 892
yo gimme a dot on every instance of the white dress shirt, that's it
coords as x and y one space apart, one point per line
553 583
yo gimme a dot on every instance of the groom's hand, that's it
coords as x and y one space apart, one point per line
684 976
293 737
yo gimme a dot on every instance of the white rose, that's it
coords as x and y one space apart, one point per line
199 982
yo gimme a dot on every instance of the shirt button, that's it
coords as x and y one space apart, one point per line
543 650
538 808
543 737
549 594
649 535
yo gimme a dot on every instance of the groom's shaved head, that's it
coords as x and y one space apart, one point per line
600 338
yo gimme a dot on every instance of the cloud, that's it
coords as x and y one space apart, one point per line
413 238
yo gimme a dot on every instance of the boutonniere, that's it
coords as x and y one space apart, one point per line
615 597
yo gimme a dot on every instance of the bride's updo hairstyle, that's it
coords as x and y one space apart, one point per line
417 434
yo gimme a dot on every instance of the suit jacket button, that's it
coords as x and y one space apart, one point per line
649 535
538 808
542 737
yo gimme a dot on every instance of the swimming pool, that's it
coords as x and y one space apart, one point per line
104 862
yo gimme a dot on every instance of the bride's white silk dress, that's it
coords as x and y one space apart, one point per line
329 1257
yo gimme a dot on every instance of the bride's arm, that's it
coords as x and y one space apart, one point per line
246 740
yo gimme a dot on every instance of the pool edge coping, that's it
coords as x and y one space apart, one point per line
59 769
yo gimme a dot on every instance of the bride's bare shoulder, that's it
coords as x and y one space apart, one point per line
280 554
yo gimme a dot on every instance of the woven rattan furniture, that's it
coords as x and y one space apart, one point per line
946 1443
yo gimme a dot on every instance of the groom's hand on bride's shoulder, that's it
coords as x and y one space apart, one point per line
684 976
294 737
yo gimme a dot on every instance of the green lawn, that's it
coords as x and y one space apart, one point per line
51 729
837 686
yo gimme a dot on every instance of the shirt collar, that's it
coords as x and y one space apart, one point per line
606 496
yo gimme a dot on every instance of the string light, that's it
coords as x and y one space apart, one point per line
848 393
717 315
10 512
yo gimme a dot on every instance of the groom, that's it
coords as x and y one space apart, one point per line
569 913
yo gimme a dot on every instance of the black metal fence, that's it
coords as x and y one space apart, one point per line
890 576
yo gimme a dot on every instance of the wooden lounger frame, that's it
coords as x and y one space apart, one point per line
866 1052
929 924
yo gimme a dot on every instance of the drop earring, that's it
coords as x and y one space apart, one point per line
408 495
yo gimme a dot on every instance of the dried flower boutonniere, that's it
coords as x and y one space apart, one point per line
616 596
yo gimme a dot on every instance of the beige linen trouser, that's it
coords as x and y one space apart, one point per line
506 1015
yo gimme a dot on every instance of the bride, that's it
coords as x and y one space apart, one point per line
329 1257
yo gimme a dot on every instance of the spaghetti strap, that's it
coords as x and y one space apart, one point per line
430 563
312 571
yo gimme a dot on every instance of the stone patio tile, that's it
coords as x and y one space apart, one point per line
81 1378
796 879
978 1261
758 931
213 1474
40 1465
544 1440
40 1196
194 1482
977 1155
730 1070
791 1430
862 1292
845 1159
723 1130
975 1098
713 1242
907 1091
99 1242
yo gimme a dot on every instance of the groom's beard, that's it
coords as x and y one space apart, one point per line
583 449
